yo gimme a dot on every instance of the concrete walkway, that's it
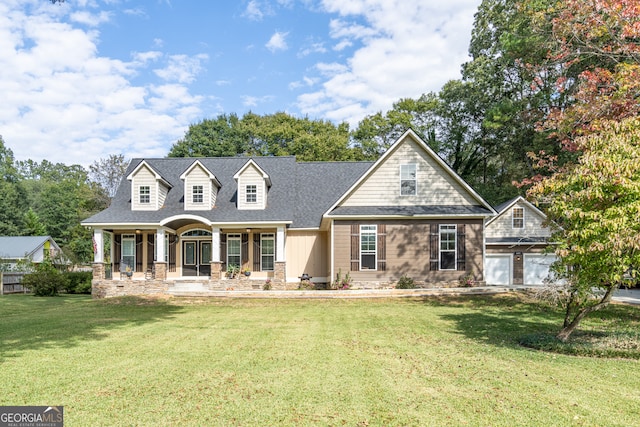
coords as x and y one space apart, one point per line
628 296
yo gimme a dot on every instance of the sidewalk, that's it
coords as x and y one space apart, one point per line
629 296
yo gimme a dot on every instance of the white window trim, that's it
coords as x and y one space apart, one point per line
415 179
254 193
267 236
231 237
194 194
148 194
447 227
373 231
132 238
513 217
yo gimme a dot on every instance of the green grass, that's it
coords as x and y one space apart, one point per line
400 362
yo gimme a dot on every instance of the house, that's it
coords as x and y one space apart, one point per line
516 240
191 220
15 249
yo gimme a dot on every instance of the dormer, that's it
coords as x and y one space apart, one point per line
200 188
148 189
253 185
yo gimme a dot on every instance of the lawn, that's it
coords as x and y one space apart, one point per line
380 362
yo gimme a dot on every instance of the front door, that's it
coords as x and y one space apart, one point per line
196 258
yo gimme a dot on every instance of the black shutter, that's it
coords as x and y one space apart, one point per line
173 242
460 246
256 252
355 247
138 252
244 249
223 251
117 251
382 247
434 250
151 253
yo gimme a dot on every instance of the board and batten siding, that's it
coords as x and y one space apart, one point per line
251 176
435 186
198 176
503 225
408 250
306 253
145 177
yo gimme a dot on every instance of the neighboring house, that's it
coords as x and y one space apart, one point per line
191 219
516 240
14 249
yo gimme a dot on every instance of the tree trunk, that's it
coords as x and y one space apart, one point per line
568 329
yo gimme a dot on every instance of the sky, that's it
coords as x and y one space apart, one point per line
85 79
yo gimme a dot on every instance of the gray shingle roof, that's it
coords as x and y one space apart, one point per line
410 210
16 247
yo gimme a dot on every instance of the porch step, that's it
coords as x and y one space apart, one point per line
187 287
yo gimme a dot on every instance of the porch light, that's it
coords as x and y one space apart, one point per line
518 256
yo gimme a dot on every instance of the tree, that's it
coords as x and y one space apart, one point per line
109 172
12 199
32 224
219 137
596 204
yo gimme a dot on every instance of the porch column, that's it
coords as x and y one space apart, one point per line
98 245
98 255
216 262
280 271
159 263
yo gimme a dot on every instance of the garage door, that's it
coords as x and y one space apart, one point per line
497 269
536 268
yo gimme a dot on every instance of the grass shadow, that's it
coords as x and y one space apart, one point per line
30 323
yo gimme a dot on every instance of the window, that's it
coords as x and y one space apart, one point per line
368 237
145 194
198 194
129 250
234 244
267 251
447 247
252 194
518 217
408 183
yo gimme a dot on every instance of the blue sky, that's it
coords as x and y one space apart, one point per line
90 78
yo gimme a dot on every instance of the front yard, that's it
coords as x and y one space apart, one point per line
373 362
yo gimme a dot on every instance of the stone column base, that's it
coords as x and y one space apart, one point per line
216 270
161 270
280 271
98 271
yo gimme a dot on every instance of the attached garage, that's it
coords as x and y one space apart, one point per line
497 269
537 268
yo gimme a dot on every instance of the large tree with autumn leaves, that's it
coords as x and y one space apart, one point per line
594 201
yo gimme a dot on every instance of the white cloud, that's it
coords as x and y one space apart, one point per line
90 19
403 48
64 102
254 101
253 11
277 42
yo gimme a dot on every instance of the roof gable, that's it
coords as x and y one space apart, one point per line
199 164
16 247
144 164
437 184
253 164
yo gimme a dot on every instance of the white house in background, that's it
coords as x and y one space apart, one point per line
516 240
14 249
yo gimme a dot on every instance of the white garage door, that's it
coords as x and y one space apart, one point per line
536 268
497 269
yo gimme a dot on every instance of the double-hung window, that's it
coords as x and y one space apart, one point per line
447 247
234 245
251 193
197 194
145 194
408 181
267 251
518 217
129 250
368 249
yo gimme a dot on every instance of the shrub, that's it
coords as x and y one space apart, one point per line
466 280
46 280
405 283
306 285
78 282
342 283
267 285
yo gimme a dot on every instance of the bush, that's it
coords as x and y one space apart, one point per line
46 280
342 283
405 283
78 282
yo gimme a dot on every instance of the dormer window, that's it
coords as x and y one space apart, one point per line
252 194
518 217
145 194
198 194
408 181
